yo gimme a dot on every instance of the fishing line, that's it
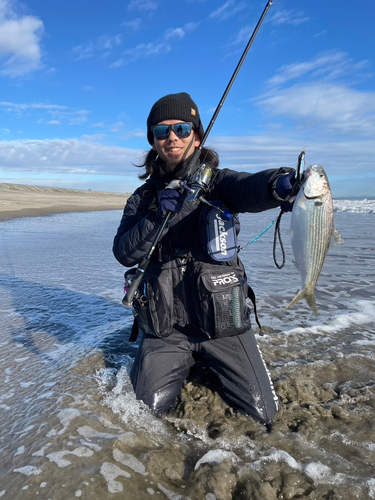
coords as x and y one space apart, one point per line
299 177
324 80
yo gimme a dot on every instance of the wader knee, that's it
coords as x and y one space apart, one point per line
160 402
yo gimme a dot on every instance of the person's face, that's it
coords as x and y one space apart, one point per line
173 150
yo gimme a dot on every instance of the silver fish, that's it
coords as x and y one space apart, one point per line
312 230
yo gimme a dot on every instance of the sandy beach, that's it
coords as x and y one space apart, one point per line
17 200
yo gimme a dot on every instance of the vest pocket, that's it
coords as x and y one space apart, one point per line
220 301
153 306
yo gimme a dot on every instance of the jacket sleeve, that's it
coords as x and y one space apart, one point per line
135 234
244 192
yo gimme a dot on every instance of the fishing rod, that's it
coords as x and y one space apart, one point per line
197 153
201 181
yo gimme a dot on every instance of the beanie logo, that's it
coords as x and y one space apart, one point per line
193 112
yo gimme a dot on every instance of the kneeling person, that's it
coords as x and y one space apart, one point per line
182 313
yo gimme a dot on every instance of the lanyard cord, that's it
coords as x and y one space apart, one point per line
277 235
259 235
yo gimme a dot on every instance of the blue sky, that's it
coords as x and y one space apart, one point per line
78 78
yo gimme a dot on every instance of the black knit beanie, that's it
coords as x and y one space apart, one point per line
174 107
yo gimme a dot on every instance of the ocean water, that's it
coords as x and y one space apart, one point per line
70 426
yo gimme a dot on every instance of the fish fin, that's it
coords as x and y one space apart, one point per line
300 295
310 299
336 237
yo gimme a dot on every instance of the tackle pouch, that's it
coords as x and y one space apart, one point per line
218 236
220 300
153 303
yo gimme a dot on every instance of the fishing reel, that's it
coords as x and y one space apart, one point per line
199 185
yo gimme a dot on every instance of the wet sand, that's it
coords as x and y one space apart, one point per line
17 200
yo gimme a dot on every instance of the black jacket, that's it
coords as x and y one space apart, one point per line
182 285
239 191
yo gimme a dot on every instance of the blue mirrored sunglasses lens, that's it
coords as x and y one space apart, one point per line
161 132
182 130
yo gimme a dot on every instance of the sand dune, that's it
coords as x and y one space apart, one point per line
17 200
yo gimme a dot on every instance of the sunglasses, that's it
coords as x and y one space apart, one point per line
182 130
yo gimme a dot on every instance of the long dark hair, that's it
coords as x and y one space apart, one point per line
150 161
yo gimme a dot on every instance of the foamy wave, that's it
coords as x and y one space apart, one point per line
354 206
122 401
342 321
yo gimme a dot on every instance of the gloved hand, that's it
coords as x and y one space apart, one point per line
284 184
285 190
171 200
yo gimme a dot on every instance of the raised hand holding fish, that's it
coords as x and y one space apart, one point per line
312 230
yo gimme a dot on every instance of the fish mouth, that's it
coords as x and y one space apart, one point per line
317 196
312 197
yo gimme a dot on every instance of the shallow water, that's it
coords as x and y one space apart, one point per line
71 427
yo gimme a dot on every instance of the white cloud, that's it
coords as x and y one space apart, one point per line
289 17
190 27
11 106
58 112
99 125
142 51
147 5
118 128
174 33
73 117
67 157
324 100
331 64
338 157
20 38
138 134
243 35
134 25
228 9
320 33
154 49
104 45
332 108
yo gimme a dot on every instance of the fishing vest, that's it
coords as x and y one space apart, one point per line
186 286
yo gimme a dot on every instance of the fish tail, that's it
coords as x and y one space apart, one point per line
309 297
300 295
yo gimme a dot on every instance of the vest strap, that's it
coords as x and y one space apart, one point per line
251 295
135 330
